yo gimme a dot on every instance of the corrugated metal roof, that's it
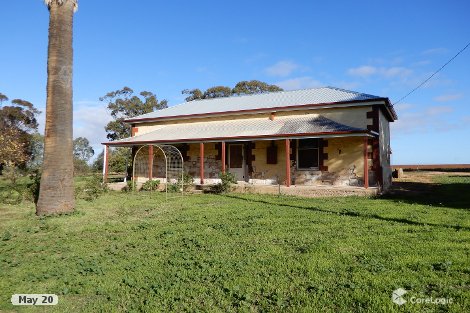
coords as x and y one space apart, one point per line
260 101
242 128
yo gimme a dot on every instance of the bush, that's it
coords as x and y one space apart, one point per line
174 187
34 185
226 185
188 182
93 188
15 189
11 173
80 167
151 185
130 186
11 194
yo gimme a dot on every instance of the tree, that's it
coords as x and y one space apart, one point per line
123 104
98 163
82 152
37 151
17 125
3 98
12 148
254 87
194 94
56 193
82 149
217 92
241 88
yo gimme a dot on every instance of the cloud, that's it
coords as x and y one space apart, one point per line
450 97
403 106
90 118
256 57
386 72
201 69
435 51
299 83
395 72
425 120
421 63
363 71
347 85
437 110
282 68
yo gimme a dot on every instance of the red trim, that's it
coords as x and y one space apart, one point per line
201 162
323 156
374 115
150 162
134 131
223 157
106 165
288 179
366 164
238 137
282 108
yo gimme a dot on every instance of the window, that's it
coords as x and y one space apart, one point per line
308 154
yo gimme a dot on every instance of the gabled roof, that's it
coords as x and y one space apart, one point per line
260 102
311 125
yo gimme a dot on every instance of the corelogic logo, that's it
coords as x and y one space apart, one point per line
397 296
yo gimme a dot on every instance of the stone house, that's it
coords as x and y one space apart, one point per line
305 137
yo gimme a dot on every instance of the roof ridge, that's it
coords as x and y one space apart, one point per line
255 94
351 91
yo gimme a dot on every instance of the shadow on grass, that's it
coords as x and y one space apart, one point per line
450 195
352 214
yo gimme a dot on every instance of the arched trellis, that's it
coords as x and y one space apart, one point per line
147 164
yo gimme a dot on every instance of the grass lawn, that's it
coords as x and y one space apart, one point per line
243 253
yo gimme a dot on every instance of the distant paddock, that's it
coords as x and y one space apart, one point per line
434 167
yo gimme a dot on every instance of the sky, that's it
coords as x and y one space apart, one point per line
384 48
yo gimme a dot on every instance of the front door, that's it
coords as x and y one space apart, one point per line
236 164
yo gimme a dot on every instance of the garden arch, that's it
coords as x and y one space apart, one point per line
148 160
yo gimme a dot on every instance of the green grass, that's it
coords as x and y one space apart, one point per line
241 253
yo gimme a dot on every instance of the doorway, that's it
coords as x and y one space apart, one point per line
236 161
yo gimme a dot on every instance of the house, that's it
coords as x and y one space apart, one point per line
304 137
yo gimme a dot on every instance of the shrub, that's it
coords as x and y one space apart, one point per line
34 185
227 179
174 187
11 172
131 185
187 183
151 185
11 194
93 188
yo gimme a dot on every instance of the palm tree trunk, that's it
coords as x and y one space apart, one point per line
56 193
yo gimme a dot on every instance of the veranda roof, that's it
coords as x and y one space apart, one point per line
298 126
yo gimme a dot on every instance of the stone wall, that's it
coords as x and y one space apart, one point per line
212 166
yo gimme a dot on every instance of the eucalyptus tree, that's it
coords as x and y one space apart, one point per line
241 88
56 194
